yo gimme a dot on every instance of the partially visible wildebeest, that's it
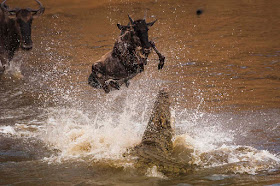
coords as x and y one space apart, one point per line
15 31
127 59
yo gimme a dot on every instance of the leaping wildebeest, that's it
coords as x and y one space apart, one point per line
15 31
127 59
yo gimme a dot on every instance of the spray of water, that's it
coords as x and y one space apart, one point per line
115 122
103 126
14 67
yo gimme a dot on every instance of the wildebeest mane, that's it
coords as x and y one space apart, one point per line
128 50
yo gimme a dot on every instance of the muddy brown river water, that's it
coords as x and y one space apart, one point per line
222 71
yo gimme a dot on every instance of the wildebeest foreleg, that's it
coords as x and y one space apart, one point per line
161 57
2 65
2 69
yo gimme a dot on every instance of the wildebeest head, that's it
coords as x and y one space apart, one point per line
23 20
141 29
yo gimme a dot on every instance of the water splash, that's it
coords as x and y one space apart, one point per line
109 129
153 172
14 67
7 130
75 134
213 145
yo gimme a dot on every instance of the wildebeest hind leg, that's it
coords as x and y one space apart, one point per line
126 82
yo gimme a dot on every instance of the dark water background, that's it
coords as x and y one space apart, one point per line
222 72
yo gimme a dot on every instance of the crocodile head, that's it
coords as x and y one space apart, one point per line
157 148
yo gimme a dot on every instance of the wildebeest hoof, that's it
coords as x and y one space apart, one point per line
106 89
114 84
127 83
141 68
160 65
161 62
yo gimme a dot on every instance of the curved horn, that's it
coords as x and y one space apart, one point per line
145 15
4 7
41 6
151 23
131 20
41 9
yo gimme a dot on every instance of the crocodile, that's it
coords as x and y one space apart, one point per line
172 156
157 147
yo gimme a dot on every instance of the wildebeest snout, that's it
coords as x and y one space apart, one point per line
26 43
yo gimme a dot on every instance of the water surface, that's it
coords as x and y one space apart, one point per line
222 72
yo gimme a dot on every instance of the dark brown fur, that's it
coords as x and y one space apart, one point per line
119 65
126 60
15 31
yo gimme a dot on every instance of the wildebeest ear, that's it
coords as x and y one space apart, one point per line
38 13
121 27
151 23
12 14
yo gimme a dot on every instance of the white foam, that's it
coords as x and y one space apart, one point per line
240 159
14 67
7 130
213 145
203 135
153 172
106 135
118 121
76 135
